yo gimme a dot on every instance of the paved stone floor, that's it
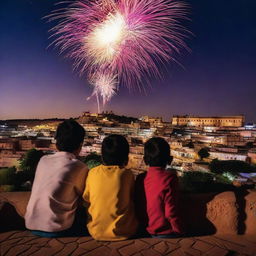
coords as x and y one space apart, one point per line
24 243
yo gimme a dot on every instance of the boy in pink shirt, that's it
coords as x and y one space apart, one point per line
58 186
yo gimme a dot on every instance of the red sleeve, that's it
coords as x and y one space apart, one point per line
171 201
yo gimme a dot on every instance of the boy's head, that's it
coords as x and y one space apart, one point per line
115 150
69 136
157 152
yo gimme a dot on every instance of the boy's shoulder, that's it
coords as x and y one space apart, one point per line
170 176
115 170
80 164
165 176
95 169
126 170
129 173
63 159
170 171
165 172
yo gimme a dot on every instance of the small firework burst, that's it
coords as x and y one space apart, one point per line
105 85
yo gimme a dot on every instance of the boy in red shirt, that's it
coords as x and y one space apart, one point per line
161 191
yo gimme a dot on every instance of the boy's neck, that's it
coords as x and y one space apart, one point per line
120 166
73 153
158 167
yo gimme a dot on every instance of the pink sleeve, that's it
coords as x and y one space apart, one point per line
80 178
171 200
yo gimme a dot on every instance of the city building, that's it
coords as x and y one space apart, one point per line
10 158
221 121
229 156
153 121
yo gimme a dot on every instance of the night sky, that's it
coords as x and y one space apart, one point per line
218 77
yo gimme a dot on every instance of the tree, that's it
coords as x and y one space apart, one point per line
29 162
92 160
232 166
203 153
196 181
7 176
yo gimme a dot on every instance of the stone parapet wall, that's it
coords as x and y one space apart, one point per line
209 213
250 213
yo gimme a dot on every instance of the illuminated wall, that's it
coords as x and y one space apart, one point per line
224 121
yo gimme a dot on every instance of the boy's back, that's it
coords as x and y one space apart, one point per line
109 191
58 183
161 188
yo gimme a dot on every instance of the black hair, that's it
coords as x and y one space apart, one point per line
157 152
69 136
115 150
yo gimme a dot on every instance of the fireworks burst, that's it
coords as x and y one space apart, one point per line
103 43
105 85
129 39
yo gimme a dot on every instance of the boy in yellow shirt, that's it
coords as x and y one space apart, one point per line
109 191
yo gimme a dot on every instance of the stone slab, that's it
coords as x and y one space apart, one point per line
26 244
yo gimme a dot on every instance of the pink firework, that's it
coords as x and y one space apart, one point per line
130 40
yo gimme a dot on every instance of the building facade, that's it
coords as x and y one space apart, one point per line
222 121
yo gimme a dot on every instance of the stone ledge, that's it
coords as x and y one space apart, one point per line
221 214
209 213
